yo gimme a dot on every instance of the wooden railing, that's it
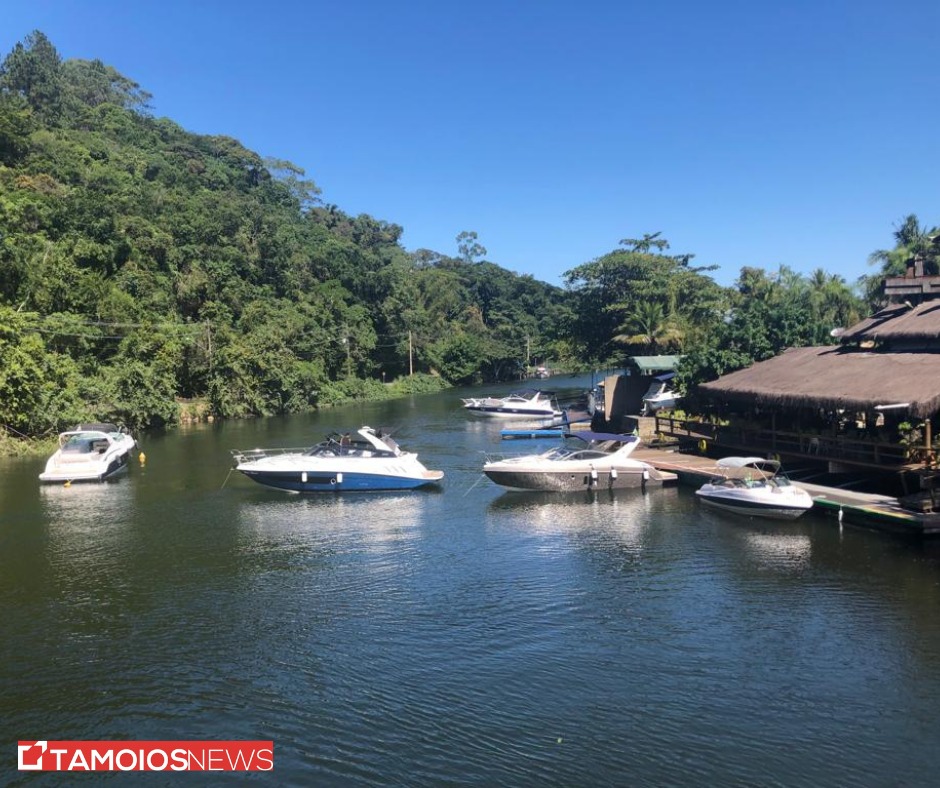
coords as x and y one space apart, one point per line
755 440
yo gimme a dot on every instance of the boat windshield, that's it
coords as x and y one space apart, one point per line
84 443
344 446
565 453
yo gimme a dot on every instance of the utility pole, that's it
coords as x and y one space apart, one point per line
411 365
348 359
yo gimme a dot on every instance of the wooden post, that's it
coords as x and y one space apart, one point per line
928 451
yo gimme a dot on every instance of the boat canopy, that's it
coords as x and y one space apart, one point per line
757 463
740 462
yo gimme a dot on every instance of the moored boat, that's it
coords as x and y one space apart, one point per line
660 395
89 453
755 487
595 461
526 403
369 461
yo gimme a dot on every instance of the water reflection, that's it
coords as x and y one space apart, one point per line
605 521
87 523
771 544
786 551
377 533
544 504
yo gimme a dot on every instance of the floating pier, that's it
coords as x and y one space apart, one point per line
532 433
858 508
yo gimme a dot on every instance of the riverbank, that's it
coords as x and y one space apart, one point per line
199 410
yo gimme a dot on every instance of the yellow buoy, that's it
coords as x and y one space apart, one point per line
702 445
142 458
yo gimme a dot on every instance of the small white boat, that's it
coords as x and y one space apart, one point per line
660 396
757 487
596 461
89 453
369 461
526 403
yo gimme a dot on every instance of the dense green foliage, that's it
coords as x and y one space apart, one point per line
141 264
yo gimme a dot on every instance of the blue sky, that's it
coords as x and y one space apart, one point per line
747 133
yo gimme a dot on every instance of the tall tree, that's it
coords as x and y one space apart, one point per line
469 246
914 242
34 70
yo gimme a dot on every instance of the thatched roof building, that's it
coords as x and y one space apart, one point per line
899 324
836 377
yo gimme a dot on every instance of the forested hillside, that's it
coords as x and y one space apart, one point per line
141 263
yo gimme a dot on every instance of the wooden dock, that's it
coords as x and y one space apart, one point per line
875 511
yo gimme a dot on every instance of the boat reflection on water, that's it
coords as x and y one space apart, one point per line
377 522
620 516
87 504
537 501
784 550
88 524
768 544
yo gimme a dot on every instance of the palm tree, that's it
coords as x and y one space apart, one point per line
832 301
649 326
913 241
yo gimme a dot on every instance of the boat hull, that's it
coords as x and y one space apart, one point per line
342 481
571 481
514 413
91 474
88 468
754 508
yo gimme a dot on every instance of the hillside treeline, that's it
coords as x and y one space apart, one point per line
142 264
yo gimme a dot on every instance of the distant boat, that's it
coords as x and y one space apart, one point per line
596 461
526 403
757 487
371 461
660 395
89 453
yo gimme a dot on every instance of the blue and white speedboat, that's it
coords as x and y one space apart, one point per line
367 461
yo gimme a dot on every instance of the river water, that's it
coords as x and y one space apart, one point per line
461 635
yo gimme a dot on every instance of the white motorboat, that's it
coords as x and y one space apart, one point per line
526 403
597 460
369 461
757 487
660 395
89 452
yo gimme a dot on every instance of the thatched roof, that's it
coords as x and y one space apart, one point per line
899 322
834 377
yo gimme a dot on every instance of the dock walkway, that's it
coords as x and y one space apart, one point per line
869 509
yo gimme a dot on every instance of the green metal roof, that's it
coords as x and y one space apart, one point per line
655 363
